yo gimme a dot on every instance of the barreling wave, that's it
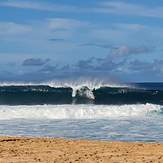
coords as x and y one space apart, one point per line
77 111
75 85
83 92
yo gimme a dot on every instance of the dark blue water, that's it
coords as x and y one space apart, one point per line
135 93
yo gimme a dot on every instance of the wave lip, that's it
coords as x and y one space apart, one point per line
77 111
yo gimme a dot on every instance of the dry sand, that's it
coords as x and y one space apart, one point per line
29 150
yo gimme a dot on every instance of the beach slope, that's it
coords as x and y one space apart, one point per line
49 150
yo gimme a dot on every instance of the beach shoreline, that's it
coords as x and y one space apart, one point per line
26 149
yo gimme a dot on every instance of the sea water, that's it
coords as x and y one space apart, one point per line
140 122
32 110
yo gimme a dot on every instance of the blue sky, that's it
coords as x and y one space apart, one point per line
68 39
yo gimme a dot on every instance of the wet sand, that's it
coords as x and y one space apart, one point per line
45 150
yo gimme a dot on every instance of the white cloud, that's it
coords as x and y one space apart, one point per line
11 28
62 23
41 31
130 9
28 4
110 7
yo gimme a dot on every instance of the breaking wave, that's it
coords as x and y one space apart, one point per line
75 85
83 92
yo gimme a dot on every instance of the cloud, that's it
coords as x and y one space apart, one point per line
86 64
121 50
130 9
56 39
155 66
104 7
49 69
97 65
129 26
129 70
137 66
98 45
35 62
58 29
127 51
118 60
65 24
11 28
35 5
103 68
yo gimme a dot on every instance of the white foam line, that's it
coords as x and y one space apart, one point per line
76 111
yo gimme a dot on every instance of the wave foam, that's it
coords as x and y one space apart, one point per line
76 111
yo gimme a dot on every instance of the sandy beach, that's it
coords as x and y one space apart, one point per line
30 150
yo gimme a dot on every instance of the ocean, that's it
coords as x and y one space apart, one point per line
124 112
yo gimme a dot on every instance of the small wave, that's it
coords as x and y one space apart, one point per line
76 111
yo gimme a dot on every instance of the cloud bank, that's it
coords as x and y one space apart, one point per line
35 62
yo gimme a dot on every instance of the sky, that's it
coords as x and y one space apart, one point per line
113 40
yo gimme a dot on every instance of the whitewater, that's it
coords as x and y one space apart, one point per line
138 122
55 112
